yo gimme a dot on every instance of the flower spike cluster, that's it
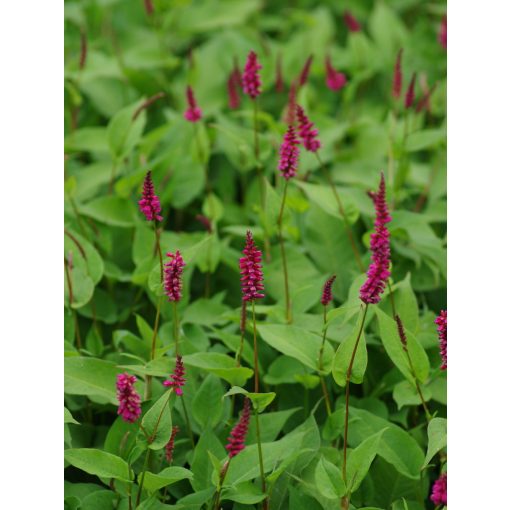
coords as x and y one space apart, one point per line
233 84
169 448
149 204
351 22
251 270
193 113
443 33
327 297
290 114
303 77
173 276
129 400
237 436
251 77
438 496
289 154
279 84
397 75
307 132
379 270
335 80
177 378
409 99
401 331
441 329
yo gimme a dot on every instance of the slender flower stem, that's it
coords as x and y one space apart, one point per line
321 366
188 422
73 311
142 479
255 348
265 504
288 312
176 327
341 210
239 353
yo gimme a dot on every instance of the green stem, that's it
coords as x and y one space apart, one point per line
188 422
341 210
261 460
288 312
176 327
255 348
321 366
142 479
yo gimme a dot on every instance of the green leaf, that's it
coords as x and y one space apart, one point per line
436 431
259 400
99 463
168 476
200 465
111 210
207 406
221 365
157 423
123 132
425 139
84 255
406 394
406 304
91 377
244 493
329 480
299 343
391 341
82 285
68 417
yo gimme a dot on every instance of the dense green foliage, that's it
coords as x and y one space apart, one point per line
117 56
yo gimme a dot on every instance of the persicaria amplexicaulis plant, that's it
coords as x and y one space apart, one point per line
442 33
351 22
401 332
289 154
439 494
193 113
149 203
279 85
303 76
335 80
169 448
251 76
397 75
409 99
237 436
177 380
251 270
307 132
441 330
173 276
129 399
327 296
233 84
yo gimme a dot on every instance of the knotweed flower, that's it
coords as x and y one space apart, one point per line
129 400
251 77
237 436
307 132
149 7
289 154
173 276
351 22
234 81
442 33
290 114
303 77
193 113
438 496
327 297
401 331
379 270
409 99
169 448
424 102
441 329
397 75
177 378
149 204
335 80
279 85
251 270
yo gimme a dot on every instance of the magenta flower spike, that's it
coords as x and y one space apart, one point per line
442 33
303 77
379 270
177 380
173 276
193 113
307 132
289 154
251 270
441 330
327 296
237 436
397 75
234 101
205 221
409 99
169 448
149 204
279 85
251 77
351 22
335 80
129 400
438 496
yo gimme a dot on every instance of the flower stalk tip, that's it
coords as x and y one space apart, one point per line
409 99
251 78
327 296
193 112
251 270
289 154
169 448
351 22
335 80
397 75
307 132
237 436
177 380
129 400
173 276
149 203
441 330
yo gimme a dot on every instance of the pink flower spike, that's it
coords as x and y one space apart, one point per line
409 99
251 78
379 270
233 96
327 297
441 330
397 75
438 496
303 77
149 204
307 132
193 113
251 270
442 33
237 436
173 276
289 154
279 85
129 400
351 22
335 80
177 378
169 448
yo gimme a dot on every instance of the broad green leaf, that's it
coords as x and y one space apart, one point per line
244 493
99 500
207 405
83 255
168 476
82 287
219 364
124 133
111 210
259 400
425 139
99 463
406 394
68 417
157 423
329 480
406 305
200 464
436 431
